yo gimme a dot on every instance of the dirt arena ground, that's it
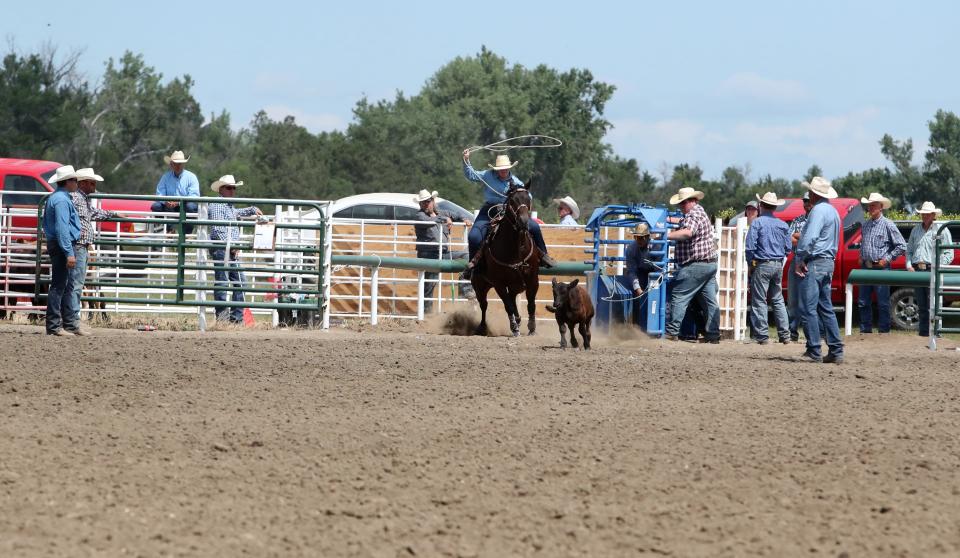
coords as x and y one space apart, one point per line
404 442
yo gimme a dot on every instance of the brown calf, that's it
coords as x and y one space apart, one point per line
572 307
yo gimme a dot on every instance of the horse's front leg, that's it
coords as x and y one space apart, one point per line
481 292
514 313
532 306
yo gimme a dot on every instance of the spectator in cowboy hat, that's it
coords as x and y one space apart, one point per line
816 252
433 242
497 181
750 211
226 258
796 229
568 210
767 244
696 254
61 226
920 254
177 181
87 184
881 243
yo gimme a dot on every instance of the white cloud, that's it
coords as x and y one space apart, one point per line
754 86
319 122
662 140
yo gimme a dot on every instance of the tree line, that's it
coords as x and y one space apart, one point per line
123 125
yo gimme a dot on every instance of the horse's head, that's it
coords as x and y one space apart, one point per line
518 204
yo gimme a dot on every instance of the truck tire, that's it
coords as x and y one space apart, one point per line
904 313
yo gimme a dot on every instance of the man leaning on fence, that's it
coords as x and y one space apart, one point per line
767 244
880 244
433 242
86 184
61 226
226 259
921 250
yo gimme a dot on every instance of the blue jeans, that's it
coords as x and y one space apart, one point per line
479 231
79 275
696 280
865 305
765 281
62 309
816 308
922 298
793 300
191 207
227 276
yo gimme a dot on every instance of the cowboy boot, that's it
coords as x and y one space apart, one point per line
546 260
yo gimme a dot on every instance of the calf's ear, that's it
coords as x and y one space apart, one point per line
553 281
574 283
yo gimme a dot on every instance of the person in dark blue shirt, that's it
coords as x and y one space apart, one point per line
767 244
638 260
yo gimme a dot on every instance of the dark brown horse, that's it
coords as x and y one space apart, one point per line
511 263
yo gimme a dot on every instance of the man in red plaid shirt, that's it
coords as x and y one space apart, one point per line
696 255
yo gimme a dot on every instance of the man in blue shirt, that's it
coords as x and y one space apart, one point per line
61 226
793 294
767 245
817 250
881 243
497 181
177 181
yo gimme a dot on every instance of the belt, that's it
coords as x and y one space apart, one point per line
758 261
871 265
922 266
698 261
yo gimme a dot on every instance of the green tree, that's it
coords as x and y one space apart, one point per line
942 167
41 103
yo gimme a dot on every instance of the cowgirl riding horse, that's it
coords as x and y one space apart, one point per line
497 181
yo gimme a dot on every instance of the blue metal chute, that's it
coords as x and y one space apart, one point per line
612 297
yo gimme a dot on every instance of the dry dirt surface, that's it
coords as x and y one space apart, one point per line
406 442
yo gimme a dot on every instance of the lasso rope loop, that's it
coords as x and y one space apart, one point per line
503 146
656 283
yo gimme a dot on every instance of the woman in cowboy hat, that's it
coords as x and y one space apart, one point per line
816 252
767 244
177 181
434 237
225 275
920 254
568 210
497 180
880 243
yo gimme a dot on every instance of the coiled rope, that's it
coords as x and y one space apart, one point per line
503 146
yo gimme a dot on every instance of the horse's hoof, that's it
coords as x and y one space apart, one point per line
516 334
532 332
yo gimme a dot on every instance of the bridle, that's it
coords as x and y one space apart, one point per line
514 212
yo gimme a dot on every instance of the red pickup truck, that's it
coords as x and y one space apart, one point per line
903 308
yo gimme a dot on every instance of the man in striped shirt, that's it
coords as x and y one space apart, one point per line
921 251
226 263
696 256
793 282
880 244
87 184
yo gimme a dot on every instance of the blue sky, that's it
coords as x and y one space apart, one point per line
776 85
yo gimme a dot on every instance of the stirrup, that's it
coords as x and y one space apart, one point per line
546 260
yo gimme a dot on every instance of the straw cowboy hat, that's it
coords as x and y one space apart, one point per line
569 202
424 196
928 207
821 187
503 163
685 194
176 157
875 197
63 173
642 229
225 180
88 174
770 198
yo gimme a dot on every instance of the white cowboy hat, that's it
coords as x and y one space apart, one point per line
770 198
63 173
88 174
821 187
685 194
875 197
503 163
928 207
225 180
176 157
424 195
569 202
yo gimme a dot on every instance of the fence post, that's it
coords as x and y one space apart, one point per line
847 310
374 288
421 275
